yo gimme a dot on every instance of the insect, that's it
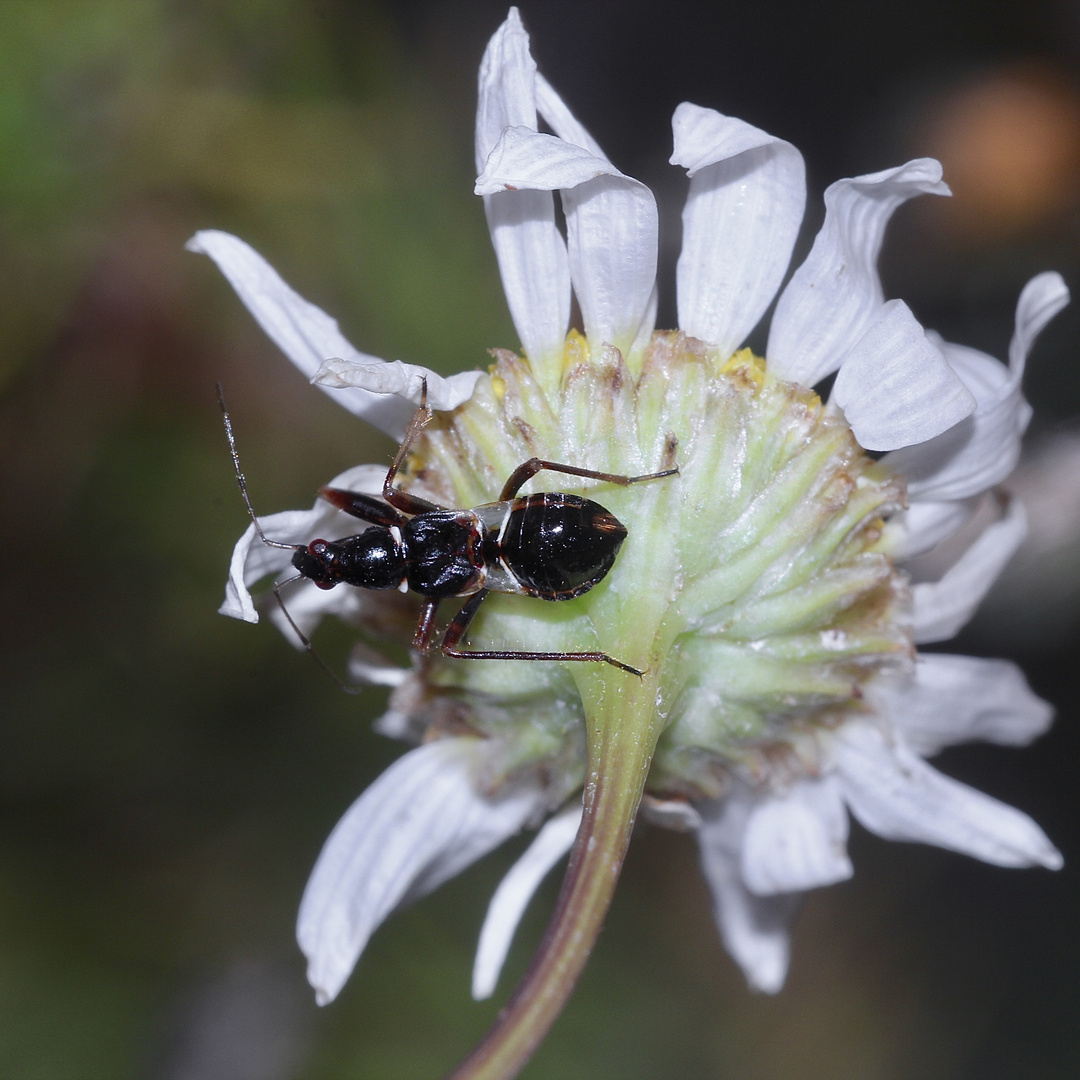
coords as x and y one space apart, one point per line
551 545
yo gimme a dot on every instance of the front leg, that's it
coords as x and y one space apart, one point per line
411 504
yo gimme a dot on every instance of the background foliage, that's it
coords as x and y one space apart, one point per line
167 776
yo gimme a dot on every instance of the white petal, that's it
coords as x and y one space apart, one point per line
534 268
895 386
834 296
303 332
561 120
396 724
1042 298
524 158
252 560
924 525
611 226
308 605
515 891
506 91
941 608
528 245
742 215
955 699
796 840
404 380
419 818
983 449
647 325
755 929
895 794
368 666
676 814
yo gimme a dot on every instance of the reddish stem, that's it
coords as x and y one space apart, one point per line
619 764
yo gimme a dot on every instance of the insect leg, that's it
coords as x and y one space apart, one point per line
460 623
421 641
364 507
530 468
410 504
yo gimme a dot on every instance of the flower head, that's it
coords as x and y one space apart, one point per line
772 593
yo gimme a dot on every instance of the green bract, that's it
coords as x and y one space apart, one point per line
751 588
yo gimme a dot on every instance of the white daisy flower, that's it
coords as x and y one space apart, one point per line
775 626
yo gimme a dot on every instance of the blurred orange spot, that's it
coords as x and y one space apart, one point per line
1010 145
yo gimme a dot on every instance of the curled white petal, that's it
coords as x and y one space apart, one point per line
524 158
252 560
506 86
897 795
529 248
1041 299
984 448
741 218
895 386
611 226
419 822
515 891
303 332
955 699
796 840
834 296
404 380
941 608
755 929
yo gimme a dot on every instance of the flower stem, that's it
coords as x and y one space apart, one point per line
623 733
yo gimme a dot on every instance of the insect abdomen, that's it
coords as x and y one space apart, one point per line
559 546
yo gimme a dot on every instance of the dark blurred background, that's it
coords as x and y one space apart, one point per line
167 776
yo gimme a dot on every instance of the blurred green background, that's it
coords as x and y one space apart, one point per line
167 776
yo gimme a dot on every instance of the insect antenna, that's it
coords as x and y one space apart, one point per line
241 480
306 641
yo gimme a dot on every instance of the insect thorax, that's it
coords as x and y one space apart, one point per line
444 553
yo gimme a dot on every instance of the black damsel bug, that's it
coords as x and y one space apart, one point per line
550 545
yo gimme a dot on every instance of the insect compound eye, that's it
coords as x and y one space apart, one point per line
316 563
